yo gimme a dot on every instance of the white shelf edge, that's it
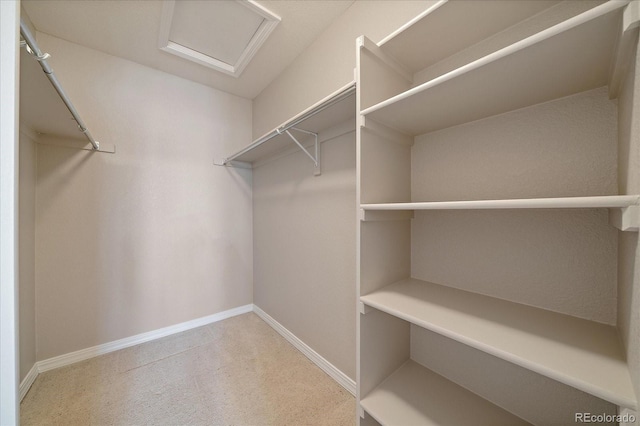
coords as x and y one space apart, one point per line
584 17
607 201
629 400
413 21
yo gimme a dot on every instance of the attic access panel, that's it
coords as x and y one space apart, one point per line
223 35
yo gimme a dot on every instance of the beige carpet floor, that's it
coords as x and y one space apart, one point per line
235 372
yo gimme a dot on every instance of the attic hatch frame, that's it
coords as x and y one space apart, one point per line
334 99
30 44
269 23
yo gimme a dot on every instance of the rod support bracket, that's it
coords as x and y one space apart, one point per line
315 158
363 308
625 218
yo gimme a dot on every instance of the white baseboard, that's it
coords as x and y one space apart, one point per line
81 355
333 372
26 383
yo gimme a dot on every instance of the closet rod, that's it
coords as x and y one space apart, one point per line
42 59
343 94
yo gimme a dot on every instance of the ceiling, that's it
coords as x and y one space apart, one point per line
130 30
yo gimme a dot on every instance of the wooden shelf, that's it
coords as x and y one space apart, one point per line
455 25
580 353
609 201
329 116
571 57
414 395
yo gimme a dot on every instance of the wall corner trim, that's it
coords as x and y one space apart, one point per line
28 380
333 372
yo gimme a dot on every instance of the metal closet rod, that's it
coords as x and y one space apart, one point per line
280 130
42 59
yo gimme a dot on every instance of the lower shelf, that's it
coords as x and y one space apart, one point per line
579 353
414 395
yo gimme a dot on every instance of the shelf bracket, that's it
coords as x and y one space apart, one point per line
360 411
364 309
625 218
385 215
315 158
233 163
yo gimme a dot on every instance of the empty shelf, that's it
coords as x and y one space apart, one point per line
610 201
455 25
414 395
566 59
580 353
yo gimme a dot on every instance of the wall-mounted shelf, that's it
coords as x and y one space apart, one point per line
334 109
624 209
580 353
415 395
607 201
456 25
534 70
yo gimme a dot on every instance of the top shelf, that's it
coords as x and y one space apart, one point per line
455 25
334 109
571 57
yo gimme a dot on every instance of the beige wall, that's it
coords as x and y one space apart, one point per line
153 235
26 252
304 248
329 62
562 260
629 249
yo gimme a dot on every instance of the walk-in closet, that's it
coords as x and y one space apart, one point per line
356 212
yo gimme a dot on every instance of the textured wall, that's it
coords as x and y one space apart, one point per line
153 235
556 149
304 248
562 260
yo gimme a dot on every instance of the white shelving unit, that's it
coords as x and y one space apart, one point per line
574 49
